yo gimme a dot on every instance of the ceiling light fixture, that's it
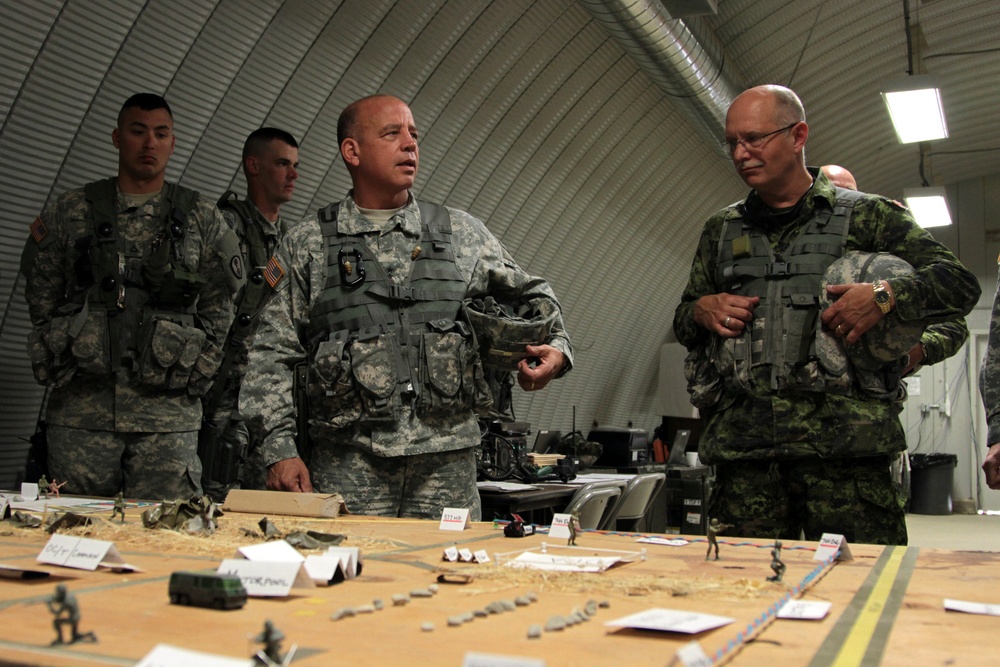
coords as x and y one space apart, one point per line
914 104
928 206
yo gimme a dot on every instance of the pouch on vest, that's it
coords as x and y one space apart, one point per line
374 370
332 397
169 352
83 336
448 369
704 383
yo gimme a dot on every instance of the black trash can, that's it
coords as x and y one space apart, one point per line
931 481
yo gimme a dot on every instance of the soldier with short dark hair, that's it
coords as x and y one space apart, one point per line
270 165
800 433
130 284
369 296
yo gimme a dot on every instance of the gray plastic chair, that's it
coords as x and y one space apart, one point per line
634 502
591 503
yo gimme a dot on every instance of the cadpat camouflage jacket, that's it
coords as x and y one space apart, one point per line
765 423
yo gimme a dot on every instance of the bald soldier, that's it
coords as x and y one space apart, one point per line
802 445
938 341
368 300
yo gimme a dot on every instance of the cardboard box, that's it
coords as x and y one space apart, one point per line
329 505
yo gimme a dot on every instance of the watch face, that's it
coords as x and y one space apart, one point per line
881 297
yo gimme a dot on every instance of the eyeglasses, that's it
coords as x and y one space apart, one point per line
754 139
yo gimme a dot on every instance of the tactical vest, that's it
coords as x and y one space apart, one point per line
254 295
781 341
137 314
375 345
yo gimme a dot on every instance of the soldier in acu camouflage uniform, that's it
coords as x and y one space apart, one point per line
800 443
130 285
270 164
989 387
369 295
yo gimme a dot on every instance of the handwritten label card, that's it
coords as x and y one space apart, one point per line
454 519
451 554
349 557
267 579
560 525
805 610
693 655
829 544
165 655
972 607
29 490
482 556
466 555
276 551
81 553
3 507
324 568
474 659
670 620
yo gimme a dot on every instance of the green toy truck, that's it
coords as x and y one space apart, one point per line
207 589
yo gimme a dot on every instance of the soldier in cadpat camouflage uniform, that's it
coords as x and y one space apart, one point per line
800 442
270 164
938 341
130 285
369 295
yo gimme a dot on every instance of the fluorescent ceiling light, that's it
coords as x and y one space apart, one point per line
914 104
928 206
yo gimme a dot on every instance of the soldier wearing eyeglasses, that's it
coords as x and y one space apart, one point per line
800 444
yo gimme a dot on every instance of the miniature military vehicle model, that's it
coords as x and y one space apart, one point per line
207 589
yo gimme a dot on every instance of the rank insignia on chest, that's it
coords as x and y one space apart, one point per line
741 247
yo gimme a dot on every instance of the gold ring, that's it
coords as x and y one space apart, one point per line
726 323
532 388
840 330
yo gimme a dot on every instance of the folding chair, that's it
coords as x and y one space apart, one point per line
634 502
591 503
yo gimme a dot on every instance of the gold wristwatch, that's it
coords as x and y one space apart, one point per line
881 297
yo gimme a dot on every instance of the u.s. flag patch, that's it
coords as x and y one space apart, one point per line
273 273
37 229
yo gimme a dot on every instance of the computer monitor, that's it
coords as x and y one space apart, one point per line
546 442
677 449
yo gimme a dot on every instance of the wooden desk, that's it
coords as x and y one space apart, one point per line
130 613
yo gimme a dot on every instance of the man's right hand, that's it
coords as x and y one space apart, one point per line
991 466
289 475
725 314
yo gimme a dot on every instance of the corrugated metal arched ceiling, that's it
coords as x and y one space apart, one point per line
533 118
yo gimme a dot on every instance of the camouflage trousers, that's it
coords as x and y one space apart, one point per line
853 497
418 486
152 466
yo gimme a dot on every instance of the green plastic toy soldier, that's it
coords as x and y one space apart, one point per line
714 528
776 563
119 507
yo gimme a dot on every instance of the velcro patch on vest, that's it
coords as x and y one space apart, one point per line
38 230
273 273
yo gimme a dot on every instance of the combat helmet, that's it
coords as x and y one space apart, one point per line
891 337
503 331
